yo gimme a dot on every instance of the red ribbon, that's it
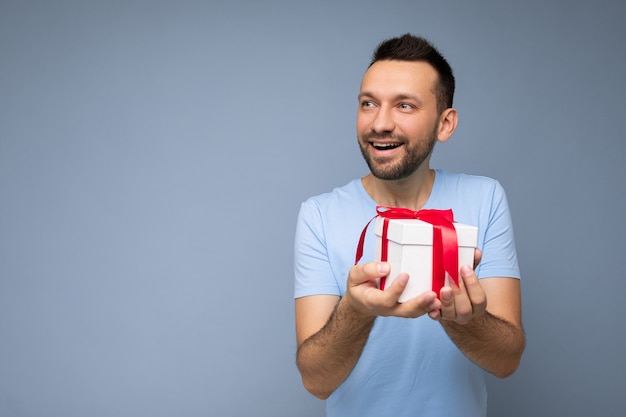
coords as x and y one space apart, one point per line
445 244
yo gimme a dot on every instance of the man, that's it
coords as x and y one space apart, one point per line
358 347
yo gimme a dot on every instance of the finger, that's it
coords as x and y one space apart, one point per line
448 310
367 272
478 256
435 315
393 292
474 290
426 302
462 303
362 292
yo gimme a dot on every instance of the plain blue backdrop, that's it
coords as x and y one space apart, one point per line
154 155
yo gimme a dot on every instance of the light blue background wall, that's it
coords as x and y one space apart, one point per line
153 156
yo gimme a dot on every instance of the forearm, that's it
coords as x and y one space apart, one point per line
492 343
327 357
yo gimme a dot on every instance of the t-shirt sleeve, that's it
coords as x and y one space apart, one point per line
313 272
499 252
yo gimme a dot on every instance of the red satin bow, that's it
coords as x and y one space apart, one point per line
445 245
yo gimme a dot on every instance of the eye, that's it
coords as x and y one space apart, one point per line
406 106
366 104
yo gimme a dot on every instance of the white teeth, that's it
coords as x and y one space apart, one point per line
385 145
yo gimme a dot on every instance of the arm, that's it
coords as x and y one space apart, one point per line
326 357
332 332
483 317
491 335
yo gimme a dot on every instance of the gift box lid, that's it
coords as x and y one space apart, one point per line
418 232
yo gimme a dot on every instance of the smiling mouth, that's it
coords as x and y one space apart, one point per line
385 146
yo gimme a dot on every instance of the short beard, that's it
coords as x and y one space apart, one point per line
413 159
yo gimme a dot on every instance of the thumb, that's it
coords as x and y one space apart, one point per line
398 285
368 272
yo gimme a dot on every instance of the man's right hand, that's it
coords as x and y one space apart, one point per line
364 296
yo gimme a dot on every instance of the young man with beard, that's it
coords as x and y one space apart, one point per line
358 347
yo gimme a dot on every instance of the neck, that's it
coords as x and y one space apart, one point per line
411 192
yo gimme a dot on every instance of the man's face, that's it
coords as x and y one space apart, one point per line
397 119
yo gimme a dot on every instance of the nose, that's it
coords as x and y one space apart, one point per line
383 121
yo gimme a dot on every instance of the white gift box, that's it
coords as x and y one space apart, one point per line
410 250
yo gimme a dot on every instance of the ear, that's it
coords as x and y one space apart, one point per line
447 124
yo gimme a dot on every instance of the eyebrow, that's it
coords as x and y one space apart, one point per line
396 98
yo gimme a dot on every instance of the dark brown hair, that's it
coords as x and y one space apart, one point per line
409 47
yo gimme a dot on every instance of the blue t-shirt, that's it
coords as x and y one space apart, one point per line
408 367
